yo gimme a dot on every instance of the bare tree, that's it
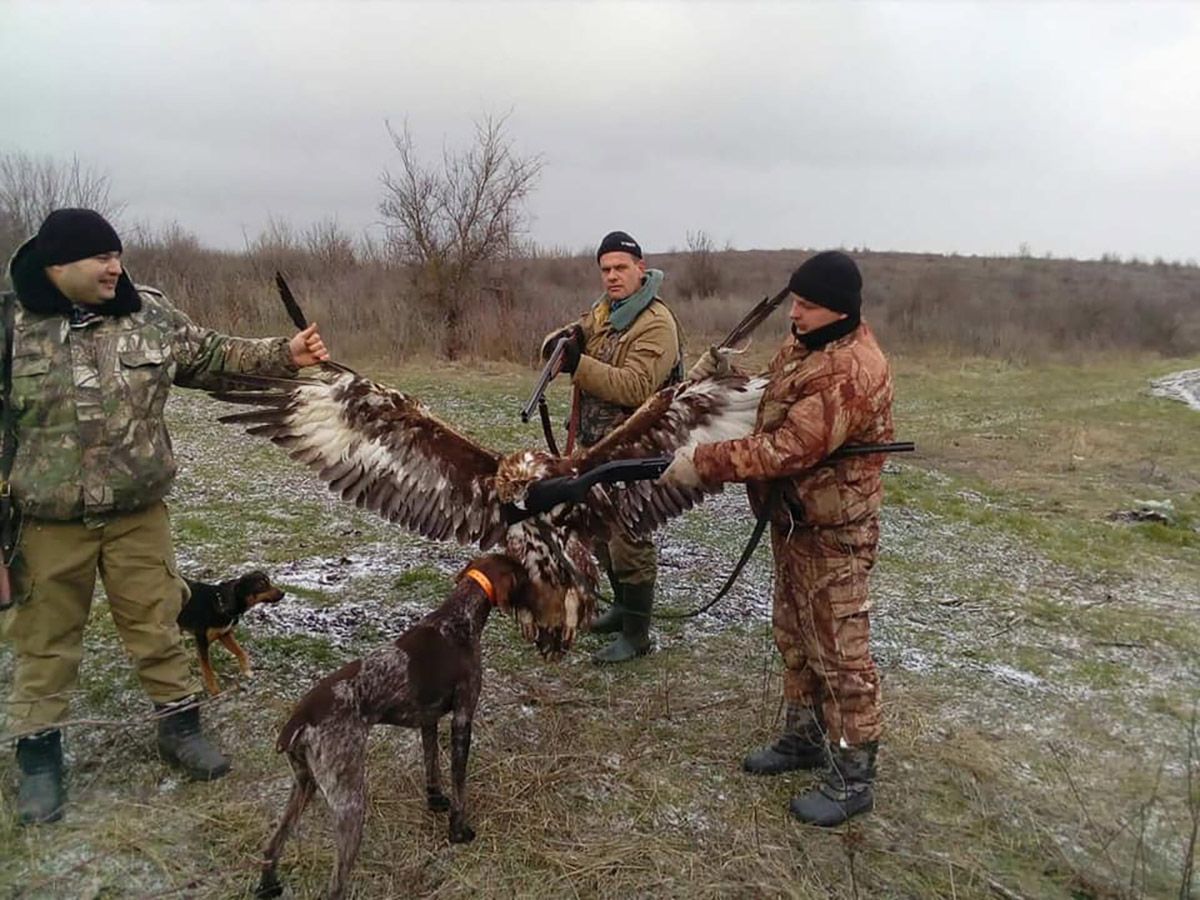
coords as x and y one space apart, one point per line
32 186
702 273
330 244
448 222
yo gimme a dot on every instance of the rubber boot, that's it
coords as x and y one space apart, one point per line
634 639
613 619
40 797
844 792
801 746
181 743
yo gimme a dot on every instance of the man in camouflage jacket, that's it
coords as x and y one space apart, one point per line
93 360
830 385
622 350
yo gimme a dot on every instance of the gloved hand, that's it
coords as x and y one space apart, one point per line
713 362
682 473
572 350
573 331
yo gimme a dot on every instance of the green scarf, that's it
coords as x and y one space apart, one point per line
622 313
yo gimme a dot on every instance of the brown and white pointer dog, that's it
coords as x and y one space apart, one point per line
213 610
432 669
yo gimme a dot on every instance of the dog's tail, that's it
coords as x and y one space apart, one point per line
314 706
291 730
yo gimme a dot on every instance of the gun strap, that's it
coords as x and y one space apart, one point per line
760 526
8 431
573 421
547 425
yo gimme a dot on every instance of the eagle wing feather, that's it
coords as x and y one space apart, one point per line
377 448
683 415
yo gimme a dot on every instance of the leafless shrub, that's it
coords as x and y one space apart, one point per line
701 271
448 223
32 186
330 245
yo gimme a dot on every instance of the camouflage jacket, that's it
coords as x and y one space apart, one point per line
619 370
816 401
91 436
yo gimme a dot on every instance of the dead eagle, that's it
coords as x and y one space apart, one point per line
382 450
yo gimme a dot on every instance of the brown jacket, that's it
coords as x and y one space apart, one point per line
816 402
618 371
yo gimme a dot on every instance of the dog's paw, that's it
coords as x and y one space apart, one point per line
461 833
438 802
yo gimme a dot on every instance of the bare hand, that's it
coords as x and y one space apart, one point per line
307 347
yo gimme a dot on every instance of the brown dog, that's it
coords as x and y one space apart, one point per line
213 610
433 668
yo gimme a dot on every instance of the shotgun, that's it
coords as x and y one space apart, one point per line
548 493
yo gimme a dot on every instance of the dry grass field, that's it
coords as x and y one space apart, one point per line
1040 666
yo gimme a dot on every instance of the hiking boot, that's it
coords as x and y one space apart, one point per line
181 743
40 797
634 639
801 746
845 790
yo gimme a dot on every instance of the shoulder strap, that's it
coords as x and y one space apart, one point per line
8 430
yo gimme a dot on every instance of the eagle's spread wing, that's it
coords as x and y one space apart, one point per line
379 449
698 412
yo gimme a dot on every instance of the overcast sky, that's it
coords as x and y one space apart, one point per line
968 127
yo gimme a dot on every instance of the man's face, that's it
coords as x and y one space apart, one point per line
807 316
621 273
92 280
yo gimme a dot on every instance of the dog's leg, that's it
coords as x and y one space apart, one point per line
206 669
460 749
347 798
302 791
235 648
339 764
434 797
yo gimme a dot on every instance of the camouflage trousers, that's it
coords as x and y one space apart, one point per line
822 627
54 577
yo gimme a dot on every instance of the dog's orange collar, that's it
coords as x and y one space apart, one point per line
484 582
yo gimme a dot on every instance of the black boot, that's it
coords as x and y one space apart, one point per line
845 791
801 746
614 617
634 639
41 796
181 743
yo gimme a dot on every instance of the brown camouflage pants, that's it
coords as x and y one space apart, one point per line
822 627
55 577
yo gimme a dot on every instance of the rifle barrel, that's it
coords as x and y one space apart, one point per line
549 371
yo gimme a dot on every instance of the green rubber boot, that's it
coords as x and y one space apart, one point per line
614 617
634 639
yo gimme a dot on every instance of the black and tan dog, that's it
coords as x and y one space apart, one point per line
214 609
432 669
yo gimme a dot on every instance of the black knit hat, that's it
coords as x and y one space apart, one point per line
619 242
70 234
829 279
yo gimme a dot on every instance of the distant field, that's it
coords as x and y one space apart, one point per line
1041 666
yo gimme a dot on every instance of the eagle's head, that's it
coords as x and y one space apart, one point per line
518 470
